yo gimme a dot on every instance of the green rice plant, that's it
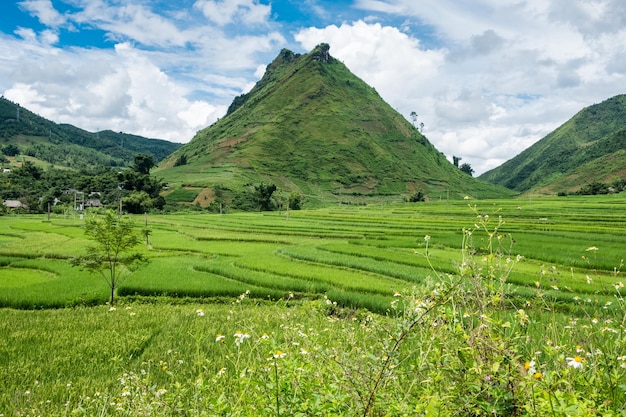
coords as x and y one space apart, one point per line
463 342
262 279
29 284
361 262
185 276
343 278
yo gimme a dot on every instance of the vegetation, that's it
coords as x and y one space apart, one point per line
63 191
67 146
411 309
587 148
467 168
310 126
113 237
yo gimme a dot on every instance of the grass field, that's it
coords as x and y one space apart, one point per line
331 289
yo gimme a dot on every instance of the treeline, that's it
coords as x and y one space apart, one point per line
597 188
253 197
64 190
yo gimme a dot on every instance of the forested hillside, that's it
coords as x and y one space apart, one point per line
68 146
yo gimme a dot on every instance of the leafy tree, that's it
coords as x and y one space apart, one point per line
595 188
143 163
263 196
417 197
11 150
181 160
108 257
295 201
467 168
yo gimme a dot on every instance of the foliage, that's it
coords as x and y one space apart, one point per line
295 201
596 188
37 187
181 160
144 189
69 146
587 148
10 150
113 238
417 197
263 196
467 168
142 164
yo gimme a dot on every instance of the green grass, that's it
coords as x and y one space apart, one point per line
182 195
310 284
368 250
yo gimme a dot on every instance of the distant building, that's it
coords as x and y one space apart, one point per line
93 202
14 204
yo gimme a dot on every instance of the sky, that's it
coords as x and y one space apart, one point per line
487 78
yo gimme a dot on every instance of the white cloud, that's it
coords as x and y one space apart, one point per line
169 74
504 73
122 91
497 75
224 12
44 11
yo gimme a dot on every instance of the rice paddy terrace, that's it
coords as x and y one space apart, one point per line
571 249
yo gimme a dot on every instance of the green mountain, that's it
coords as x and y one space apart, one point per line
64 145
312 127
588 148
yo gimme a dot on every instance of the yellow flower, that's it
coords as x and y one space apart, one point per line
537 375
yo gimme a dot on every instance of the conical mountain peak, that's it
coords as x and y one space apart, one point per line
311 126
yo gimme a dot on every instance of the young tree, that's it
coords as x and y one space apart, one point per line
263 196
108 257
413 117
467 168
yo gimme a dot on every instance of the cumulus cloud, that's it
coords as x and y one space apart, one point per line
500 74
487 78
168 74
120 90
224 12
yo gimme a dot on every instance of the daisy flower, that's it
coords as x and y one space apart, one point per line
575 362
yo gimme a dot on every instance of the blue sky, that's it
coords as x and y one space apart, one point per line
488 78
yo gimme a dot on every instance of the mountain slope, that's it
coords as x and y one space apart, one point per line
311 126
67 145
578 152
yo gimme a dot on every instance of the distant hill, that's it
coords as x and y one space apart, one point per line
311 126
65 145
590 147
